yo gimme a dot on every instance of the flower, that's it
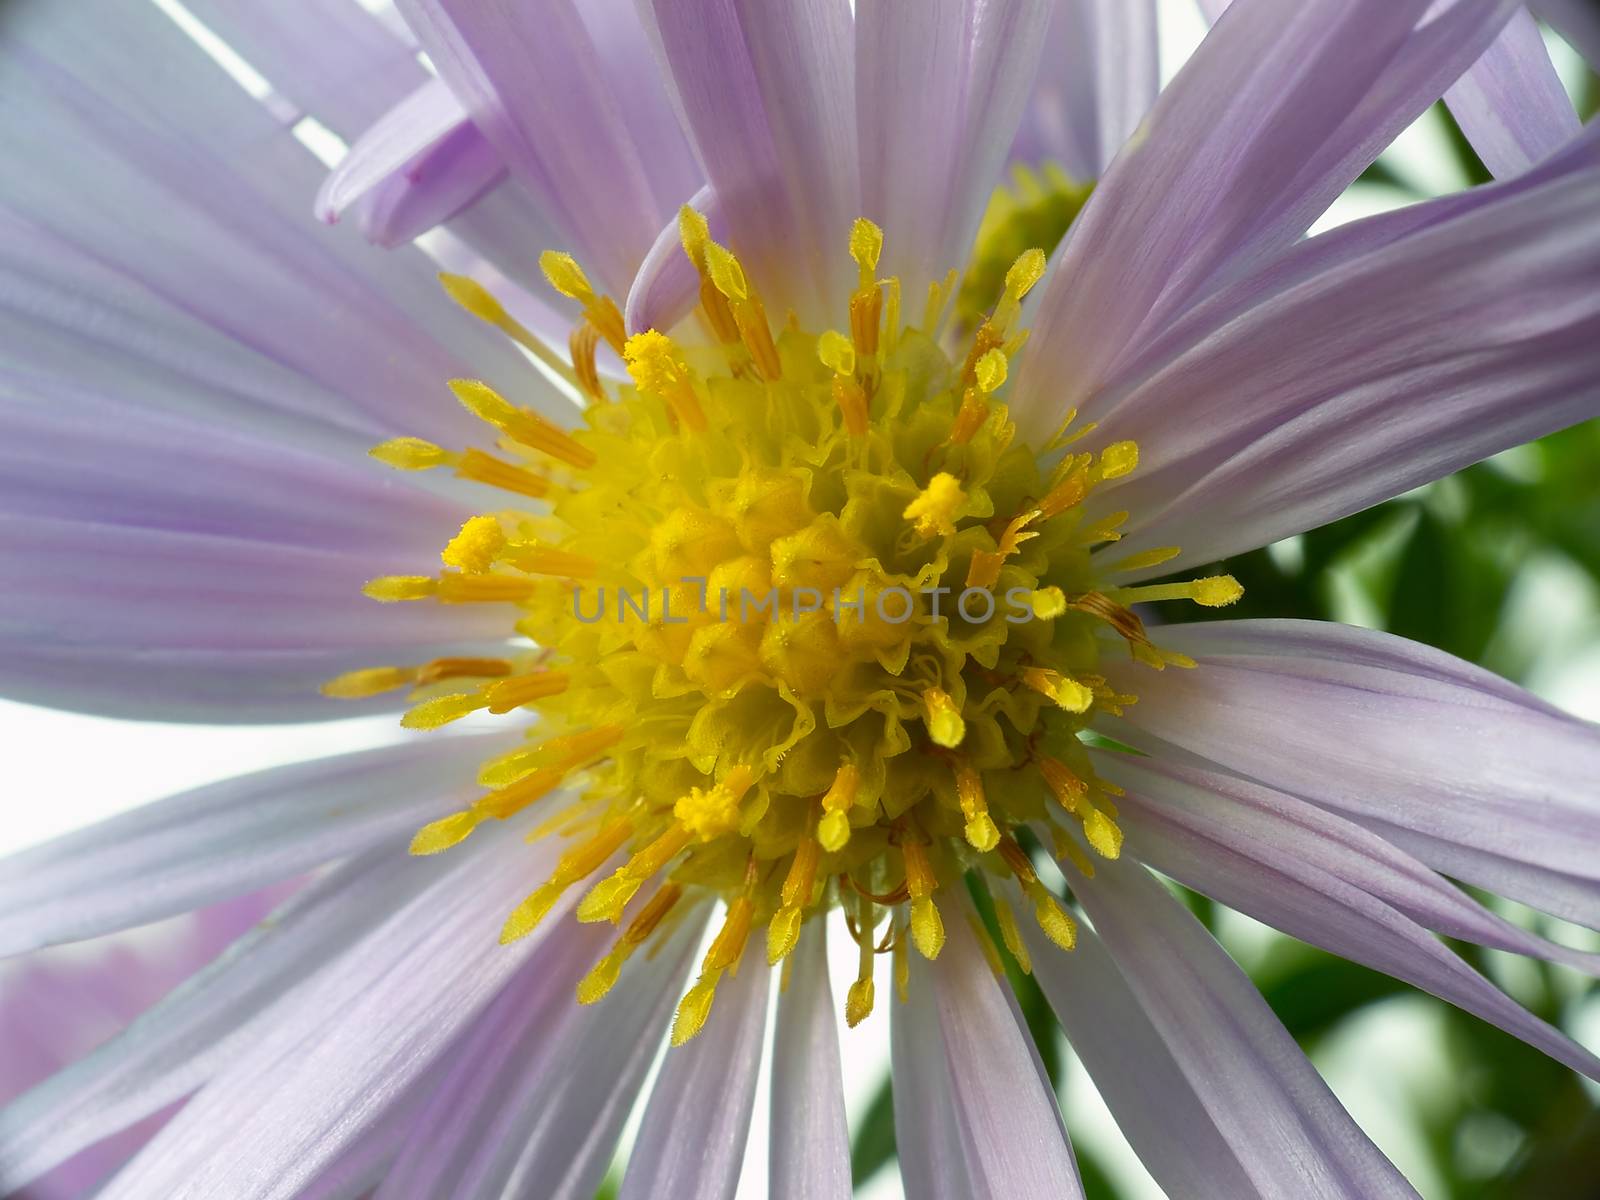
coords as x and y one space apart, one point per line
778 414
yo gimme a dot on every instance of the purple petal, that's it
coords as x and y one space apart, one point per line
595 1060
1286 1128
533 83
1098 76
57 1007
939 95
667 288
358 1036
1274 115
1397 737
765 91
201 846
427 147
932 1165
205 627
184 1039
1002 1109
335 62
142 184
1161 1115
1575 20
1511 104
1284 862
713 1077
810 1138
488 1062
1411 354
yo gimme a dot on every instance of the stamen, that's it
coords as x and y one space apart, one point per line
1214 591
657 367
476 547
1011 935
710 813
567 277
520 424
935 507
859 999
724 954
477 300
748 313
944 722
927 929
980 831
834 830
575 864
546 560
1065 691
602 977
783 931
582 344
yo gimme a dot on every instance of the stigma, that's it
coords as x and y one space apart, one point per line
806 628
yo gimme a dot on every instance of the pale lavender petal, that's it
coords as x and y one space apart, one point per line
1576 20
163 625
1408 359
1511 103
1098 76
488 1062
335 62
201 846
533 83
1158 1111
422 122
1286 1128
358 1036
714 1077
178 1043
932 1165
667 288
141 180
1003 1110
595 1060
766 92
56 1007
1278 859
1395 736
940 91
1274 115
810 1139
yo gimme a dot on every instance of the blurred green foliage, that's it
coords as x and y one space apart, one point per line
1440 565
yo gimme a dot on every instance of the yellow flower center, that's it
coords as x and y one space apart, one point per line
807 626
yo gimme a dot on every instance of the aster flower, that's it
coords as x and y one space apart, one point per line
793 395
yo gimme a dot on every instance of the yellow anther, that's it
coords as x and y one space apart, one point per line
369 681
836 352
476 547
833 831
943 718
1058 926
1065 691
858 1001
1048 603
981 832
521 424
1214 591
487 469
390 588
657 367
866 247
441 710
710 813
410 454
1118 459
927 927
1102 833
513 693
477 300
445 832
1011 935
566 276
990 370
852 401
1068 788
783 934
575 864
727 947
726 272
1217 591
694 231
603 976
934 510
1025 272
693 1010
